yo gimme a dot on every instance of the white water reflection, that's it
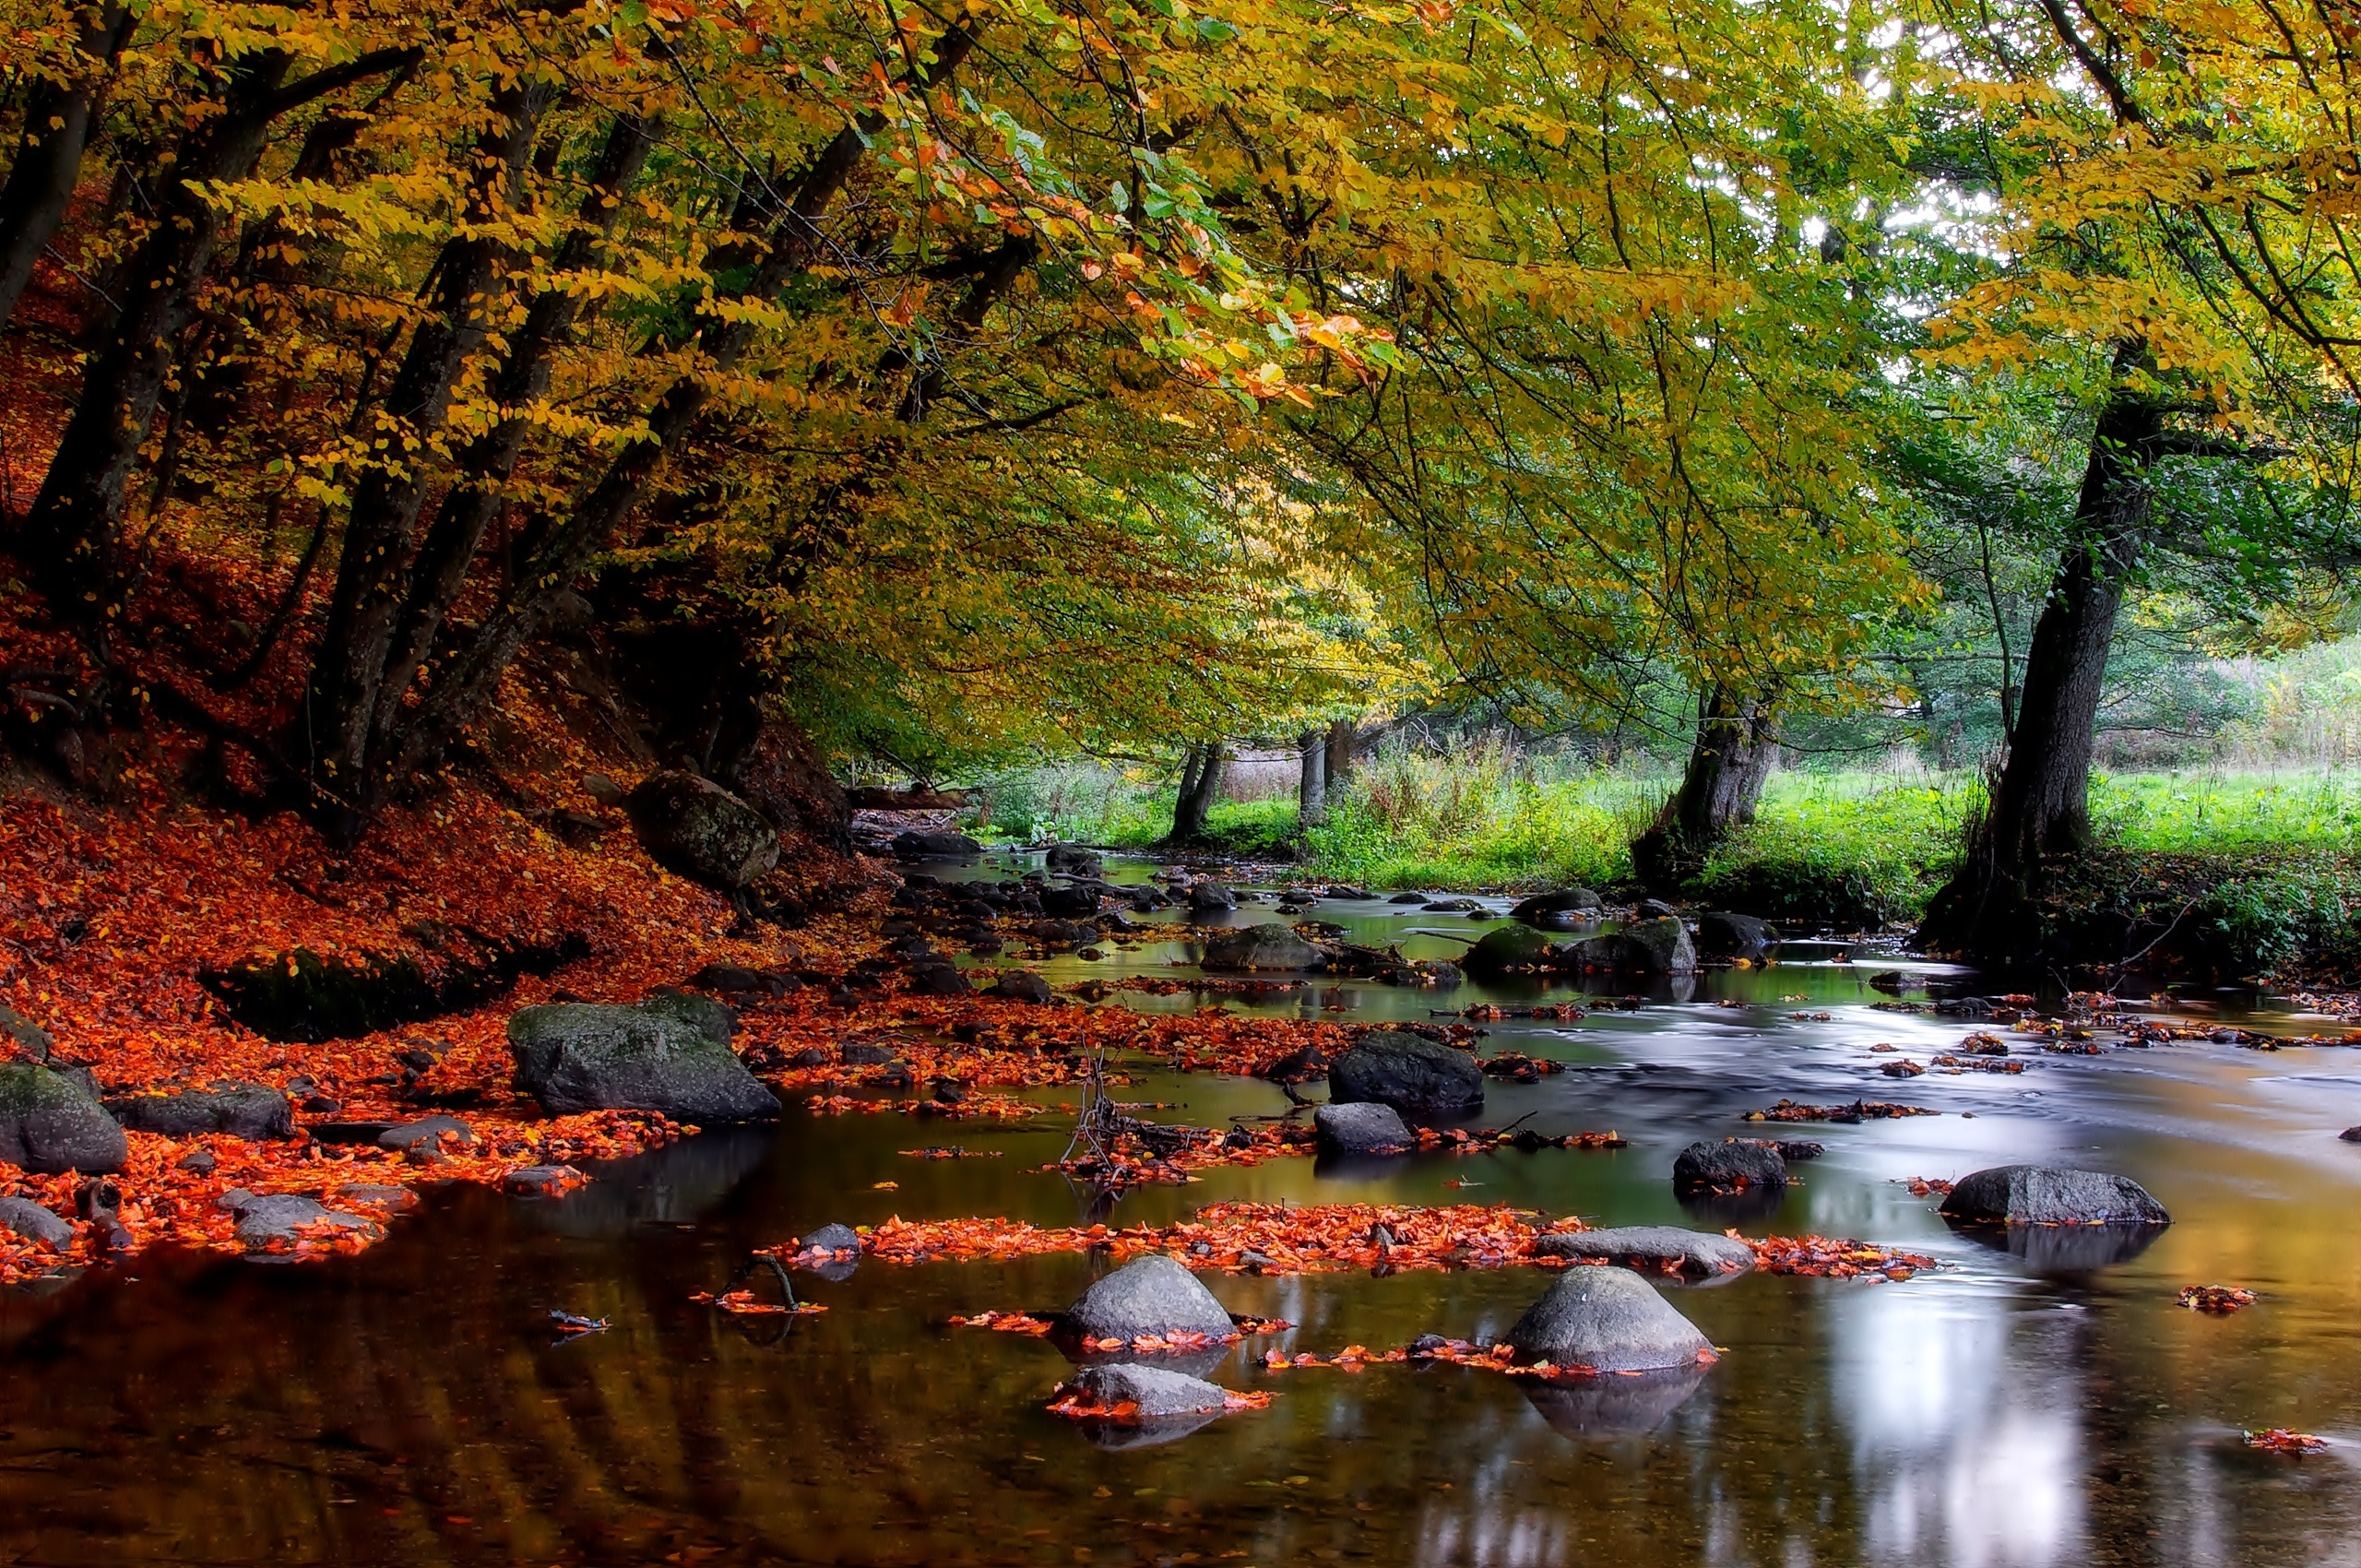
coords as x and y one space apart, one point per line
1966 1429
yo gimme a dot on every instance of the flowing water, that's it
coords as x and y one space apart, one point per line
409 1406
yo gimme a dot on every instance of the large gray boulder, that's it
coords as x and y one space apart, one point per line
252 1111
1722 934
1152 1295
1610 1320
49 1123
34 1223
670 1053
695 829
1659 946
1269 946
1155 1394
1513 949
1728 1165
1366 1128
1653 1249
1416 1076
2041 1195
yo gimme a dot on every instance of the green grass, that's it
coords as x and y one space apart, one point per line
2266 856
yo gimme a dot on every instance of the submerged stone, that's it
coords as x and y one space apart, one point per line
1664 1248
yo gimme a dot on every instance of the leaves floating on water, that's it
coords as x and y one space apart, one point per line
1080 1406
953 1151
1005 1322
573 1324
1928 1187
1859 1110
2279 1440
745 1303
1823 1257
2216 1298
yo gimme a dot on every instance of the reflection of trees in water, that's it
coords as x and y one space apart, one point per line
229 1414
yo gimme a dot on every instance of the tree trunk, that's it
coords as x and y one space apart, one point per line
2040 801
371 582
557 551
1190 813
1341 739
1312 788
49 157
70 538
1728 763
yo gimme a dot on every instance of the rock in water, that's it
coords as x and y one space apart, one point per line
49 1125
1513 949
1153 1295
1210 897
1416 1076
2350 1134
1556 908
669 1054
914 845
34 1223
1269 946
2041 1195
831 1237
1021 985
1367 1128
695 829
1610 1320
1721 934
1727 1166
1159 1394
1661 1249
1659 946
242 1110
1075 861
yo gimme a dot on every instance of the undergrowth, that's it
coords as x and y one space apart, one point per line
2237 873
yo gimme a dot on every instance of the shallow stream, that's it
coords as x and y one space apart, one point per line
410 1404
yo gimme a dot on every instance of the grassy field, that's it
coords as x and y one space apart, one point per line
1859 849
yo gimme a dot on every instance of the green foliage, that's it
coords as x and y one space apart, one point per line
1850 850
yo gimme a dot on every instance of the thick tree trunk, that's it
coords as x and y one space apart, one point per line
1342 740
1311 787
49 157
2040 802
1728 763
71 537
1201 786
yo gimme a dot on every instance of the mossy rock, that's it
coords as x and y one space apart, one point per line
49 1125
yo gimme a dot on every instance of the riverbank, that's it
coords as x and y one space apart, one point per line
2231 875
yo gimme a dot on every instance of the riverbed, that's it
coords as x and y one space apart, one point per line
2047 1406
